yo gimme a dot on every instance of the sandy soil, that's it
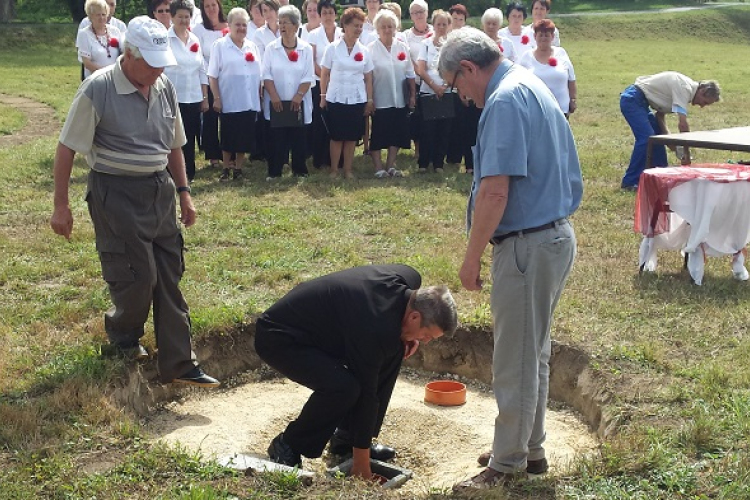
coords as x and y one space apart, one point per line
439 444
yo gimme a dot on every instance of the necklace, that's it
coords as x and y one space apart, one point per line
106 39
420 32
289 48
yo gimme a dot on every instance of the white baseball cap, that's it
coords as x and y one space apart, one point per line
150 36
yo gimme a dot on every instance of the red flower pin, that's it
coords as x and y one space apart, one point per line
293 56
500 46
249 57
428 35
402 56
525 39
194 47
114 43
225 31
552 62
359 57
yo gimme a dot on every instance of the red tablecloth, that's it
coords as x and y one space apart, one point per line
651 202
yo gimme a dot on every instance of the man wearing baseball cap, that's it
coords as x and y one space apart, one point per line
126 120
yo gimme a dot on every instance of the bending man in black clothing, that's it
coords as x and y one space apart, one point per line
344 336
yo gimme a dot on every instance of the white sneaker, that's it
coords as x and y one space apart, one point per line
393 172
380 174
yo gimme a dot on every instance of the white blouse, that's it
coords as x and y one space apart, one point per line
263 36
415 42
113 21
347 82
507 48
318 39
369 34
555 77
206 39
99 48
238 78
287 75
430 54
518 45
190 72
390 71
529 30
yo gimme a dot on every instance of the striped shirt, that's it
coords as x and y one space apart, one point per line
120 131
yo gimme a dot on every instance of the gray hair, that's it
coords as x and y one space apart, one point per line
238 11
711 89
93 6
419 3
385 14
493 14
467 44
134 51
291 13
436 306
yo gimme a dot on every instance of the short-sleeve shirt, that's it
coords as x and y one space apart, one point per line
555 77
120 131
415 42
206 39
319 40
668 92
390 71
430 54
190 72
518 42
237 70
524 135
102 50
287 75
262 37
347 82
507 48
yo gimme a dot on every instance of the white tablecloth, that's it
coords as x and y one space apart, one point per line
708 219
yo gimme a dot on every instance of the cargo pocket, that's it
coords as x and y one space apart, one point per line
115 261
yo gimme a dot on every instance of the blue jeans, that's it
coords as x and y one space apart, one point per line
642 121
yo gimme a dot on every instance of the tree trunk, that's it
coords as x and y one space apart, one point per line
7 10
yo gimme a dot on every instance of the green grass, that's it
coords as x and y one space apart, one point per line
11 120
675 356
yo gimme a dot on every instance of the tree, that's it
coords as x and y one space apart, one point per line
7 10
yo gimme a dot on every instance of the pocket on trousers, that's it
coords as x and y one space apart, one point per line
115 261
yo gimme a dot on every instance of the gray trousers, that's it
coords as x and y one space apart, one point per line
529 274
140 249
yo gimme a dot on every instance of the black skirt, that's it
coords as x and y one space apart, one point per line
238 132
346 122
390 127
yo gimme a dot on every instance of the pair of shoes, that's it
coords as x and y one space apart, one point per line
633 187
422 170
236 174
438 170
342 446
394 172
348 175
224 175
381 174
197 377
130 352
271 178
536 467
282 453
469 171
488 478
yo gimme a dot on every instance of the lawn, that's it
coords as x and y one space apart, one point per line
674 355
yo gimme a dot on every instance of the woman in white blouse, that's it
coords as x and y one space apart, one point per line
320 38
515 12
99 43
492 20
392 71
188 76
212 28
346 90
414 36
288 72
159 10
269 31
434 134
310 8
540 10
552 65
234 76
369 32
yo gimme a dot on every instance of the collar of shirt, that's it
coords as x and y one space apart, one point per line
123 85
498 75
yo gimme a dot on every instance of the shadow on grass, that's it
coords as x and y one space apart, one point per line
679 288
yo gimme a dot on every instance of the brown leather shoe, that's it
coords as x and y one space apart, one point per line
488 478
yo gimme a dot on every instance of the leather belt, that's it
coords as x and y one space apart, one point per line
496 240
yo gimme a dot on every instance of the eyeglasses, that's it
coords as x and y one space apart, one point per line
418 12
285 23
453 84
162 11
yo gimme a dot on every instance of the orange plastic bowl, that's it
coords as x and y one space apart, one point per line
445 393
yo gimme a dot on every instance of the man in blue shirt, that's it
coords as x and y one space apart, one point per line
527 181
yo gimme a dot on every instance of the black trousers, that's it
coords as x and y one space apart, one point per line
335 389
321 141
191 121
464 134
210 131
433 144
282 141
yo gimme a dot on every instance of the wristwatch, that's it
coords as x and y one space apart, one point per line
183 189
